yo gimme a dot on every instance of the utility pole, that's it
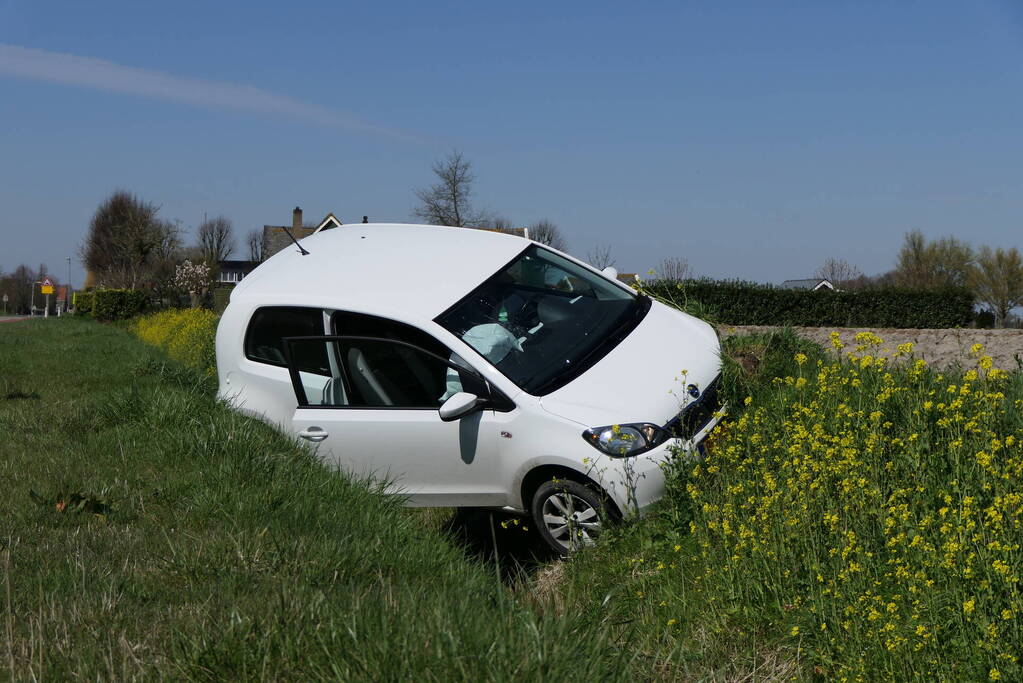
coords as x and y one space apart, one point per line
67 288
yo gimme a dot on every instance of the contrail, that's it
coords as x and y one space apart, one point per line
99 74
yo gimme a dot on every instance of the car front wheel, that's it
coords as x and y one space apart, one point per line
568 514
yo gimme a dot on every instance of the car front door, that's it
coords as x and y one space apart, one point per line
377 416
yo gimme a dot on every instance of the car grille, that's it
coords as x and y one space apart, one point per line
697 413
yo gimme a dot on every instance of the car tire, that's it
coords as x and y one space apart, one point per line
569 515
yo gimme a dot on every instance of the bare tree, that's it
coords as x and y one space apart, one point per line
498 223
257 249
126 241
545 232
839 272
449 200
673 268
601 256
927 264
216 239
997 280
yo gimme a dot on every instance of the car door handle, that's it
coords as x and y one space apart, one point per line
313 434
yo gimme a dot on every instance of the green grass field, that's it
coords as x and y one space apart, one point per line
857 519
210 547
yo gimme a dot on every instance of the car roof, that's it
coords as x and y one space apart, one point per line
415 272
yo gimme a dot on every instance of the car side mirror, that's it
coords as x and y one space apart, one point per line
610 272
459 405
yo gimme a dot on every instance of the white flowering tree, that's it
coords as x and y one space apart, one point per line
194 278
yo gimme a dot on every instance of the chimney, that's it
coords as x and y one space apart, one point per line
296 218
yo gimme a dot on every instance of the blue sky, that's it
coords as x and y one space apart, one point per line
753 139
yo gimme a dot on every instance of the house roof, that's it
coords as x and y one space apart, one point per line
237 265
808 283
518 232
413 272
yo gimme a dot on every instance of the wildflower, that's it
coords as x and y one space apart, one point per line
994 675
969 605
800 358
672 622
794 631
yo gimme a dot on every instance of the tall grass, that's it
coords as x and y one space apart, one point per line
212 547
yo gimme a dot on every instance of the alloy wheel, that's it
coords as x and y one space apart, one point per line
570 520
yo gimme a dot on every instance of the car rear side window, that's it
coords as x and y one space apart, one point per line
269 325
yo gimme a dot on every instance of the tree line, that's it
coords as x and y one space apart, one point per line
21 286
129 246
994 275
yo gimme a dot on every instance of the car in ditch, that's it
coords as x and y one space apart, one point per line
471 368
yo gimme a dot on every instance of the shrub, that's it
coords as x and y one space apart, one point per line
118 304
746 303
83 303
188 336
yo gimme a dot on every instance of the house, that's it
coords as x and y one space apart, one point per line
232 272
813 283
275 237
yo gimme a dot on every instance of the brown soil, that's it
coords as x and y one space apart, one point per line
940 348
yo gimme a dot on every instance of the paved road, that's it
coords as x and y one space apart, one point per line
12 318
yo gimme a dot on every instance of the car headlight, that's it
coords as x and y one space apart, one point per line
622 441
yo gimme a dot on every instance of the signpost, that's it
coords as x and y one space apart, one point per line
47 289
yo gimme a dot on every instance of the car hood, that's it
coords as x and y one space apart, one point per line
644 378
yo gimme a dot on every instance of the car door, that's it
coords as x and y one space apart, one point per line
377 416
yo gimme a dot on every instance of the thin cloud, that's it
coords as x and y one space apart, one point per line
99 74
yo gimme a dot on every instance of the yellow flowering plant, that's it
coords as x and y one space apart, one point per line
871 510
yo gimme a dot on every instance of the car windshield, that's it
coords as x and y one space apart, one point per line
543 320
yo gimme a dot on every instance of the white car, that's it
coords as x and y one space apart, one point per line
472 368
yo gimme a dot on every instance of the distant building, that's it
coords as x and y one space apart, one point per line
232 272
275 237
814 283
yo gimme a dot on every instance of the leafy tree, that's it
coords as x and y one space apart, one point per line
127 243
924 264
449 200
545 232
997 280
18 285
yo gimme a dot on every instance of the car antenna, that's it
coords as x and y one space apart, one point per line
300 248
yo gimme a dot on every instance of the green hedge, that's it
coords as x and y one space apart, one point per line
83 303
745 303
118 304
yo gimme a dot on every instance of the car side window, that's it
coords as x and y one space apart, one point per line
381 373
268 327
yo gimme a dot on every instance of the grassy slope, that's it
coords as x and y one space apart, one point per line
229 551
